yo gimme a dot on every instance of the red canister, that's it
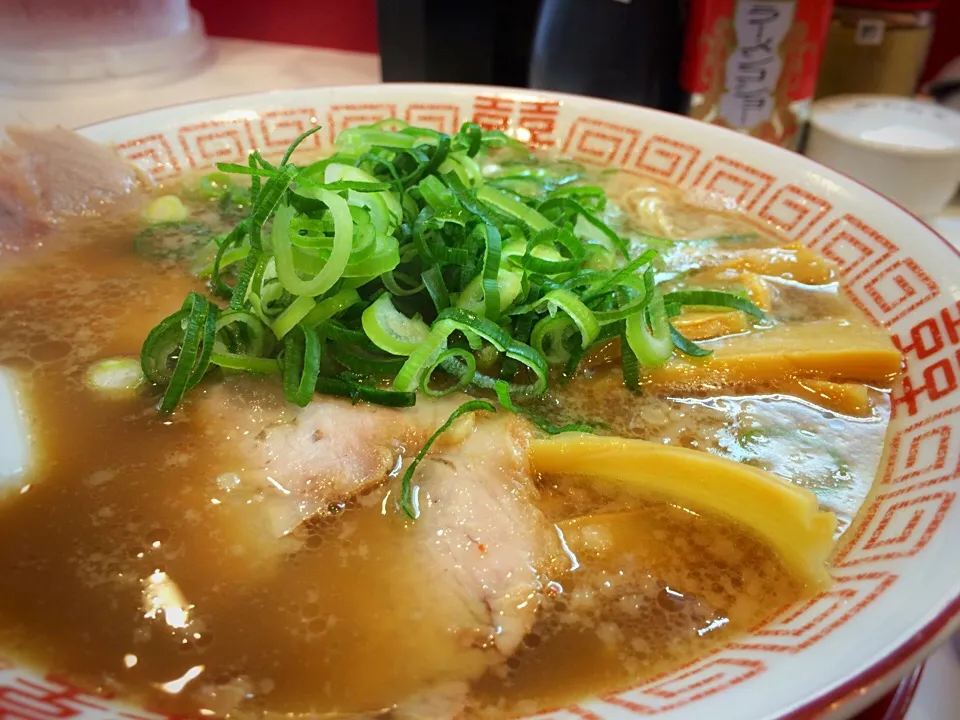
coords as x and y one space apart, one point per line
751 65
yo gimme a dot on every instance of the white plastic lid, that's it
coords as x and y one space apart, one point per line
48 45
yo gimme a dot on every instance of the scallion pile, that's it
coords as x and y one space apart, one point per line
396 266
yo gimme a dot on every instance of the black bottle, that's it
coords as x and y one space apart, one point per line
485 42
627 50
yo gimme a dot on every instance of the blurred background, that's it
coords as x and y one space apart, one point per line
669 54
762 67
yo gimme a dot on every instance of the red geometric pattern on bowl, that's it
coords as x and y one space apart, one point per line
599 142
153 155
215 141
853 245
931 351
927 452
493 112
281 127
570 713
898 524
666 159
794 211
341 117
734 181
697 680
892 287
800 626
23 697
442 118
533 121
536 122
897 289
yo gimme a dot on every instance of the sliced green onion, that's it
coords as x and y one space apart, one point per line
215 185
511 207
269 198
549 337
471 135
648 333
203 267
576 310
193 355
361 361
391 330
233 240
571 205
385 257
241 331
591 194
442 201
685 346
357 392
292 314
358 140
296 143
339 256
335 331
116 375
625 274
335 172
550 238
301 365
245 363
166 209
508 283
408 497
390 278
160 346
253 170
437 288
252 266
451 319
491 266
714 298
331 307
464 167
513 267
503 396
629 365
438 157
465 370
207 341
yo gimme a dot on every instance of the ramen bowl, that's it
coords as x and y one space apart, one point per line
896 585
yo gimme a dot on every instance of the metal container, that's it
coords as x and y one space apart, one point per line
876 47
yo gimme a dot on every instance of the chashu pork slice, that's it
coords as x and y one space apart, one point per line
482 550
483 540
49 174
453 592
306 461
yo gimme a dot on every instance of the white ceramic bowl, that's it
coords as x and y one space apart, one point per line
897 589
906 149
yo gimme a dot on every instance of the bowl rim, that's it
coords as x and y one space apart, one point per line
819 107
879 673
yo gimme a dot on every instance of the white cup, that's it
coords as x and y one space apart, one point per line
906 149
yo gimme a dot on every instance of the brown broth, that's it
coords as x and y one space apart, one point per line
123 506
